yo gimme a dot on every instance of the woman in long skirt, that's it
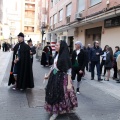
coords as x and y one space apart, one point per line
60 95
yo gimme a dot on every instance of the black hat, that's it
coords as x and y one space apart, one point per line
29 40
48 43
20 34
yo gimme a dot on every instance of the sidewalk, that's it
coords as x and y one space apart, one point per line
5 60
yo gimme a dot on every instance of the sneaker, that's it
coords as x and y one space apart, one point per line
78 91
53 117
92 78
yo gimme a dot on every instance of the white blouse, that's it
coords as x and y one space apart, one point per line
55 65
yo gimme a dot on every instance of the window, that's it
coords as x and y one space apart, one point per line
93 2
81 5
55 18
61 15
51 21
69 9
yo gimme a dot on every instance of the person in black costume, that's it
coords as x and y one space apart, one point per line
47 55
32 50
21 75
78 63
60 96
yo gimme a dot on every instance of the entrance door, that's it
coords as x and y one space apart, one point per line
93 34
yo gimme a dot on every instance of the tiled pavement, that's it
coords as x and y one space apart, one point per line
97 101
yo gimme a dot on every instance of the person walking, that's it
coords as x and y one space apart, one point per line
117 52
118 68
47 55
103 60
60 96
108 62
78 64
95 54
32 50
21 75
39 51
89 64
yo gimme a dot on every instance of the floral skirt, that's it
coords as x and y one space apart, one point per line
68 103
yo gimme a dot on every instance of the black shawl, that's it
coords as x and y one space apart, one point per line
64 62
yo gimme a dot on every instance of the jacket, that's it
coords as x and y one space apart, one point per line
109 60
93 56
81 59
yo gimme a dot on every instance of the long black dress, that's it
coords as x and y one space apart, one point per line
25 74
46 51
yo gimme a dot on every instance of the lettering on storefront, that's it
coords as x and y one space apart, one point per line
112 22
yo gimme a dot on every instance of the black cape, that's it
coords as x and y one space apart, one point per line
25 74
44 59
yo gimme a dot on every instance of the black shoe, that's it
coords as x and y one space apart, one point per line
78 91
106 80
118 81
92 78
100 79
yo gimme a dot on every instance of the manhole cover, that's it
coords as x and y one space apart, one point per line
36 98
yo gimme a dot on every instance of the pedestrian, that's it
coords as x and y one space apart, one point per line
39 51
89 64
95 54
78 64
32 50
108 62
60 96
47 55
21 75
117 52
118 68
103 60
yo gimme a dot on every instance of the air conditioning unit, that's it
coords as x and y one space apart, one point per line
78 16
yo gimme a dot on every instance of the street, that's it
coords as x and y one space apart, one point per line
97 100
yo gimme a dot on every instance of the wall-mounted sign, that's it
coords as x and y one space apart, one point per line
112 22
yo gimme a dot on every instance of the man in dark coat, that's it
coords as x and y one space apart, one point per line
95 54
32 50
21 74
47 55
78 63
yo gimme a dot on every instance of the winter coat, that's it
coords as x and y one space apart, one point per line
109 60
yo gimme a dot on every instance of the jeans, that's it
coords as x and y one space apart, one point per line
97 64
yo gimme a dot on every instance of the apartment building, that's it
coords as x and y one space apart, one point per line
85 20
44 19
30 20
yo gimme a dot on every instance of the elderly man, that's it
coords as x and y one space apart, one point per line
78 63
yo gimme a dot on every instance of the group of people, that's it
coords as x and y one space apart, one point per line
60 94
6 47
109 61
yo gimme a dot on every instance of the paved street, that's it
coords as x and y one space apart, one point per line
97 101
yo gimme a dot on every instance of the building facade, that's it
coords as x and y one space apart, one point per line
43 19
85 20
30 20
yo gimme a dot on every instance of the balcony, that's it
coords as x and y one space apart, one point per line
29 7
30 1
28 29
29 14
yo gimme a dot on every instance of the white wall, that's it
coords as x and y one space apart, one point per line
111 37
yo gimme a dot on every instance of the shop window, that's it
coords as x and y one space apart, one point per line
93 2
